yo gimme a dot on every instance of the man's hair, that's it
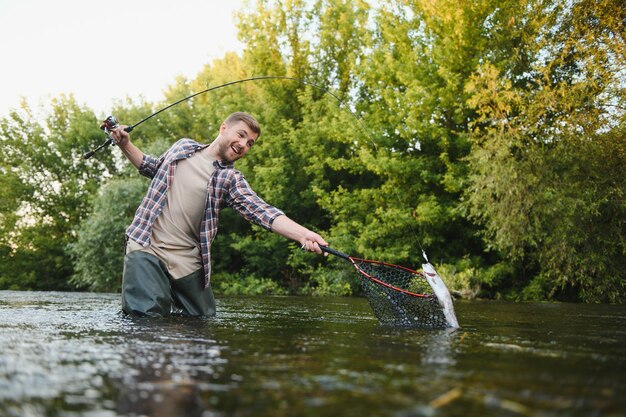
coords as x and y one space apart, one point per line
248 119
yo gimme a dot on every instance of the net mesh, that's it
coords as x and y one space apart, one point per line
396 308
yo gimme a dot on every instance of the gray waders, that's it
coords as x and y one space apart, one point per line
149 290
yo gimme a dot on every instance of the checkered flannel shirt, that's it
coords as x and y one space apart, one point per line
227 187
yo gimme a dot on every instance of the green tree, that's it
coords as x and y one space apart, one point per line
546 126
410 165
98 249
46 186
303 125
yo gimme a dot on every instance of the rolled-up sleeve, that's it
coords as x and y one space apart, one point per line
149 166
246 202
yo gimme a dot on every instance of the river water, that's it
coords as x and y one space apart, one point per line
73 354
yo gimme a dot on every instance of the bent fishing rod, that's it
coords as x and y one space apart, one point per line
111 122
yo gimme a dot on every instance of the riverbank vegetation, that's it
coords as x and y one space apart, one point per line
490 133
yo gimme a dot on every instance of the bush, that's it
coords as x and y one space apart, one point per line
234 284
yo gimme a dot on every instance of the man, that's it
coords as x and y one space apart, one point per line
167 267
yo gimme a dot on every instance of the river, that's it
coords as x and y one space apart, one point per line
73 354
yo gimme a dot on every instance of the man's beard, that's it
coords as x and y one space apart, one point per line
223 152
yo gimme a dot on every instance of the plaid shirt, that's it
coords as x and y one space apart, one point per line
227 187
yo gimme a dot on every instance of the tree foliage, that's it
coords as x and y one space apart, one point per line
489 133
543 184
46 187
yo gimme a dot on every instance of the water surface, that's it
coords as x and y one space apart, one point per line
73 354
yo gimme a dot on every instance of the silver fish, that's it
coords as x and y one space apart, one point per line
441 291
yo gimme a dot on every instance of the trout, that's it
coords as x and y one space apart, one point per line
442 293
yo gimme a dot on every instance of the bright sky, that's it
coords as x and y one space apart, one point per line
102 51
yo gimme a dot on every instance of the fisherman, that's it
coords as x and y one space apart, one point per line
167 267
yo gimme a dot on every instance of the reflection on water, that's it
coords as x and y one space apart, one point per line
72 354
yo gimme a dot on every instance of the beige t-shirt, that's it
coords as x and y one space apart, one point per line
175 238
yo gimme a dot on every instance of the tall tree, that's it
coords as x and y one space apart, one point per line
304 126
46 187
412 160
535 182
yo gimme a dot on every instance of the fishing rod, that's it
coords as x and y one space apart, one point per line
111 122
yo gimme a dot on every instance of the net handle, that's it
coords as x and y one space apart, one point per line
335 252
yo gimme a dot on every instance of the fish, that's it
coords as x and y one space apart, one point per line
441 292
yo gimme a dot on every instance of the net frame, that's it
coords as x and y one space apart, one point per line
357 262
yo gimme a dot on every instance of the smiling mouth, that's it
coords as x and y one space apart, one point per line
236 150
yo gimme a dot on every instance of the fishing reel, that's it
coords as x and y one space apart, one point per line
107 126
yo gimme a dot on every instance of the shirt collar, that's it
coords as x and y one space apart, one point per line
217 163
223 164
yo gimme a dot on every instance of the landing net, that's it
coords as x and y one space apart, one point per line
400 297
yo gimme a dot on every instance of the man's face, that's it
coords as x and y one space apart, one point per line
235 140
